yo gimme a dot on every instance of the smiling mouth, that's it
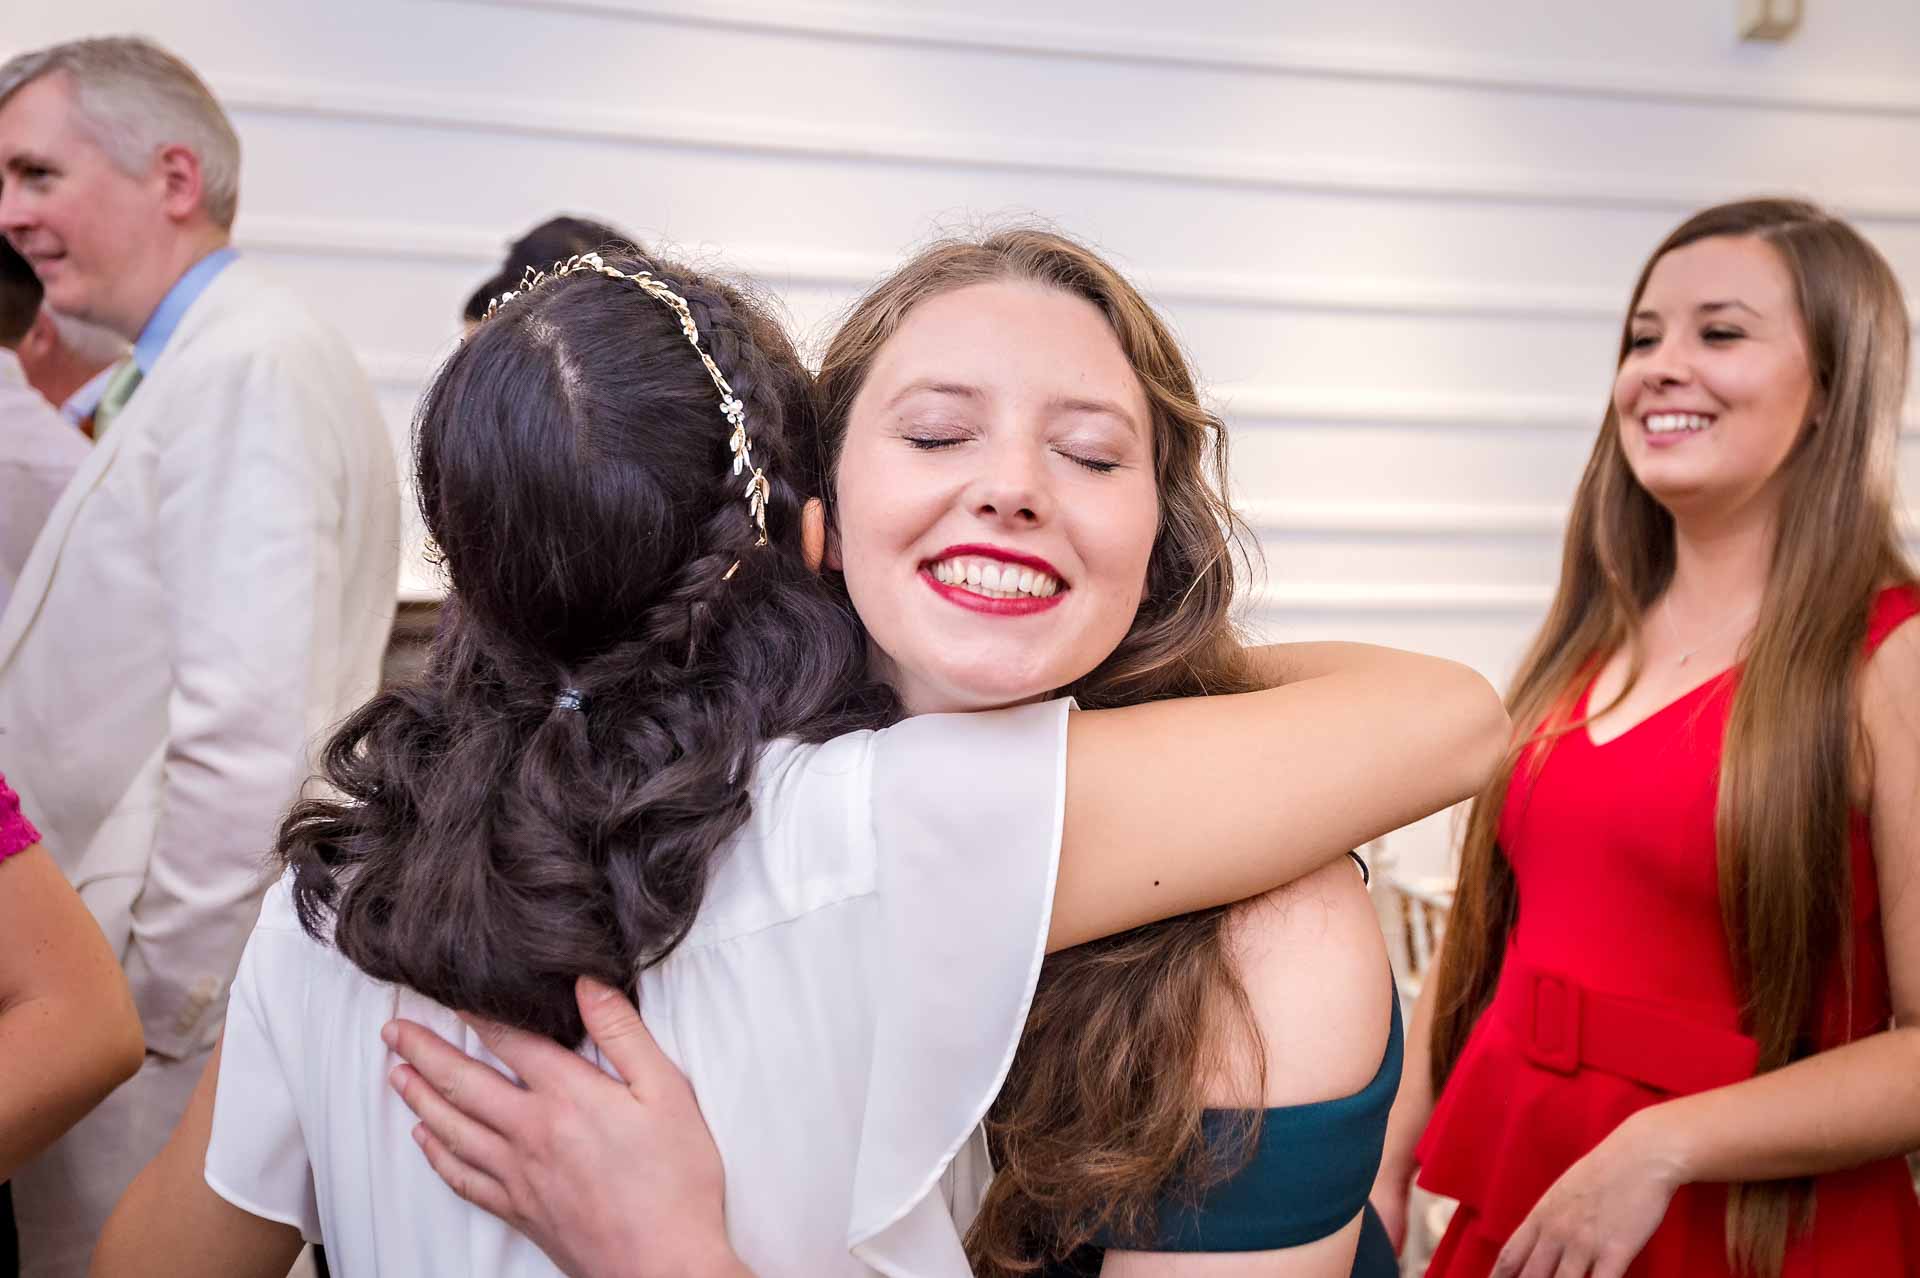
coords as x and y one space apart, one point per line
1676 423
994 579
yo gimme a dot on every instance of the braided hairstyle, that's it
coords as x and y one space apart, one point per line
484 843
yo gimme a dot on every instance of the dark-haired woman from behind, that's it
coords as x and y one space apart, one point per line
648 750
1675 1028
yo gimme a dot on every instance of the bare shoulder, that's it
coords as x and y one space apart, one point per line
1887 700
1314 966
1892 678
1888 782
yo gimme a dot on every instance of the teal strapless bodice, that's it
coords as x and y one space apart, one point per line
1310 1173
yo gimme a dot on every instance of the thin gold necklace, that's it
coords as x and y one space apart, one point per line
1686 653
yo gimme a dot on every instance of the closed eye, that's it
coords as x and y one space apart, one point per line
1098 465
929 443
1718 335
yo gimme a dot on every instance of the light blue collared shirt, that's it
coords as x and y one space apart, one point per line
81 403
173 307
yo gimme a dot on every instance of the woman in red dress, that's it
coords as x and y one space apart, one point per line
1675 1029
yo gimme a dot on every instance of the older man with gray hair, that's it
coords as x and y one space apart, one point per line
212 591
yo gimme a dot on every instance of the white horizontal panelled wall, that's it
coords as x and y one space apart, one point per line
1395 235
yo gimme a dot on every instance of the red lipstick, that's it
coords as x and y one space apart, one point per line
1015 606
1005 556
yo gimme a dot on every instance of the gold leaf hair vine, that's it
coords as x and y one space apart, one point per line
758 490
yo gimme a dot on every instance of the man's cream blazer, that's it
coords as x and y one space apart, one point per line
214 589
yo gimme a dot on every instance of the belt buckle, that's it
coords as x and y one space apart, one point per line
1553 1023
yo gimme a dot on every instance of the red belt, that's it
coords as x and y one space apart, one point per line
1565 1027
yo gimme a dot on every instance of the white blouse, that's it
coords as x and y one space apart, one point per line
846 1006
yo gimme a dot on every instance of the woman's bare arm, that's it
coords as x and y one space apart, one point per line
1412 1107
68 1031
1180 805
170 1224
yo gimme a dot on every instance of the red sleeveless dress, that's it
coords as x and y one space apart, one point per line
1618 991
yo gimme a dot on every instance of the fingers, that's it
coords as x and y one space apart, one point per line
1545 1261
470 1142
1610 1264
541 1063
615 1025
1572 1265
476 1089
1518 1251
464 1179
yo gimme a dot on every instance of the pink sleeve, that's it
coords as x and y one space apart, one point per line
16 832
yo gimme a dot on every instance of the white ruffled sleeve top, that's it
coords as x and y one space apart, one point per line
846 1005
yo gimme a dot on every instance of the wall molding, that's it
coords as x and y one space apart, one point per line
852 272
1400 599
1406 296
377 241
1251 407
1255 406
1271 518
1398 520
899 26
1248 407
496 113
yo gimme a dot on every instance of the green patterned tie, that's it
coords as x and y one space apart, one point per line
119 389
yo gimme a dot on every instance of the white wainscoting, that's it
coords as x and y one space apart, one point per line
1396 236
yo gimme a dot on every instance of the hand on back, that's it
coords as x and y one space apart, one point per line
603 1174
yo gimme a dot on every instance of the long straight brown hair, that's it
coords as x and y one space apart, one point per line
1793 737
1101 1108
